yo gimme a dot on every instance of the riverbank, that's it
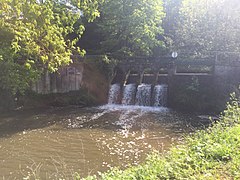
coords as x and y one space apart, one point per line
213 153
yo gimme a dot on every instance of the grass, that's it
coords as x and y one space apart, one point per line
209 154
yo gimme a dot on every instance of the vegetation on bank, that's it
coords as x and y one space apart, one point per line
213 153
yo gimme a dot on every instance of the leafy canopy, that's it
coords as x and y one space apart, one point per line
209 26
36 35
131 27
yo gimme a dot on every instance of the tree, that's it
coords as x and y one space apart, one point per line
36 35
210 25
170 22
131 27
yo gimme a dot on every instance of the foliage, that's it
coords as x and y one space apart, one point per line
131 27
190 95
170 22
35 36
103 64
208 26
208 154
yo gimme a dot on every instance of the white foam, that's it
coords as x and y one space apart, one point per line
113 107
114 93
160 95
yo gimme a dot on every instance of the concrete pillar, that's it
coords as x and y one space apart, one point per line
172 69
126 77
156 77
170 80
141 77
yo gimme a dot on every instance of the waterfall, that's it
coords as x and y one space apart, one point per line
129 93
143 96
160 95
114 94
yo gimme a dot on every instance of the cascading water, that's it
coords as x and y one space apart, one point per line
160 95
114 94
143 96
129 93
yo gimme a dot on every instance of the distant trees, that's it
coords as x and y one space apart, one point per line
171 22
209 25
147 28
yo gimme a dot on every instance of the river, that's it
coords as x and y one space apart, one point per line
57 142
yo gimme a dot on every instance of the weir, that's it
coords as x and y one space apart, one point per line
114 94
129 93
141 95
139 88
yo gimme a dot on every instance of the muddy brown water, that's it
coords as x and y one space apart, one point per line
56 143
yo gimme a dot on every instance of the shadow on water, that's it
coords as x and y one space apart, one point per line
76 117
86 140
19 121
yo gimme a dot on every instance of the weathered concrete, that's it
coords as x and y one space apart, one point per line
213 86
227 75
65 80
223 77
77 76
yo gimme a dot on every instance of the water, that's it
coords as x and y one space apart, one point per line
129 93
114 94
143 96
55 143
160 95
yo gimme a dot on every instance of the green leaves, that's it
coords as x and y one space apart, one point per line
37 34
209 26
131 28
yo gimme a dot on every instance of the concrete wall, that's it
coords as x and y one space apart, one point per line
227 67
211 92
223 79
227 74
